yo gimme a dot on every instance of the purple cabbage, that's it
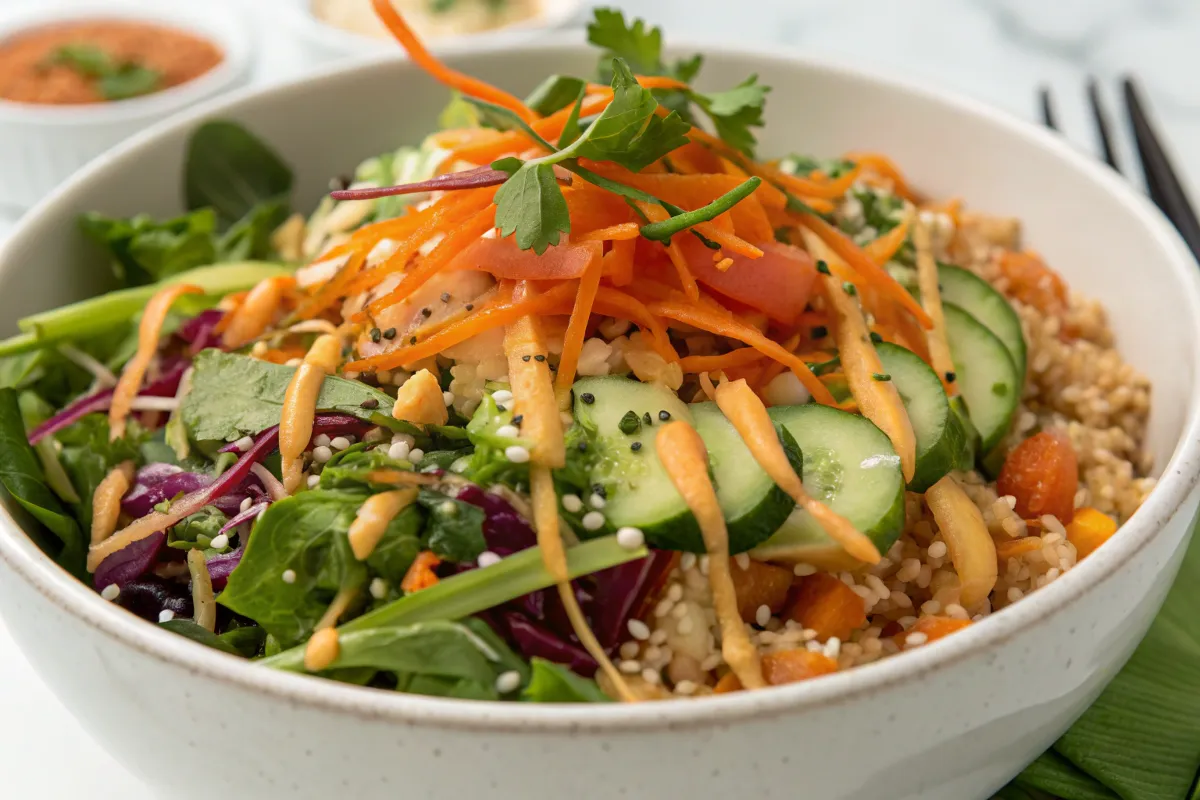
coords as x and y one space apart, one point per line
150 596
130 562
222 566
621 592
200 332
532 639
504 529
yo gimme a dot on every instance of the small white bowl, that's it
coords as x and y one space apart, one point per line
44 144
323 41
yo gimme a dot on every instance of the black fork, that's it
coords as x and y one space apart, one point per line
1162 181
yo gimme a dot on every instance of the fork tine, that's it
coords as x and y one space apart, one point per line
1102 127
1047 107
1165 187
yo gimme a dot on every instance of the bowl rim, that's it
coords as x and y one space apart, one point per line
1179 476
220 24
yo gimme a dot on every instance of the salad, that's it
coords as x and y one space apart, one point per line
577 400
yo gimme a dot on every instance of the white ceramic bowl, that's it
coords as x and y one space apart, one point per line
43 144
951 721
324 42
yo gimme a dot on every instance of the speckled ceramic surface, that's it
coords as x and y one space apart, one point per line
952 721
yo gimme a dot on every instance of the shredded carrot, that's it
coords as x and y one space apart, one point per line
826 189
334 289
734 358
884 167
619 232
883 249
589 286
931 299
420 574
153 318
549 128
255 314
532 386
616 303
1019 547
657 213
728 241
700 317
472 87
618 262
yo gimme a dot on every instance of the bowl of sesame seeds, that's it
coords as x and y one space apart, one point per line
883 657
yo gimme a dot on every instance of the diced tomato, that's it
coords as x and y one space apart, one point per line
1042 473
504 260
779 284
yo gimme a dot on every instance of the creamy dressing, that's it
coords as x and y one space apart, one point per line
323 646
373 518
300 406
255 314
106 501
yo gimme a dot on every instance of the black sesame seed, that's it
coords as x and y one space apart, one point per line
635 446
518 419
539 357
469 306
526 359
849 288
664 415
370 402
582 447
445 297
376 335
598 488
881 376
501 408
412 340
950 377
588 398
876 338
426 312
390 333
646 420
823 268
819 332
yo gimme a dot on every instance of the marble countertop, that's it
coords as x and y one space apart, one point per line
998 51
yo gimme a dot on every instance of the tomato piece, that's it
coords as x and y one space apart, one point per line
760 585
504 260
1042 473
779 284
1034 283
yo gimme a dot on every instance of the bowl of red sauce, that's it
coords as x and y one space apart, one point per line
79 79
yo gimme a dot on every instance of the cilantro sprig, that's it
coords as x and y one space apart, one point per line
115 80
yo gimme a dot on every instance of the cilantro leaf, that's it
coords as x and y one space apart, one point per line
639 46
735 112
555 93
531 205
572 130
493 116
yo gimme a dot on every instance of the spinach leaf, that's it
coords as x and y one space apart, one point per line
554 683
503 660
21 475
250 237
245 641
88 456
234 396
454 530
399 546
351 468
307 535
232 171
144 250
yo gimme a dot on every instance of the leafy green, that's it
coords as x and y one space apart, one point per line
231 171
144 250
197 530
115 80
555 93
21 475
234 395
639 45
553 683
249 238
531 205
190 630
398 547
736 111
454 529
88 456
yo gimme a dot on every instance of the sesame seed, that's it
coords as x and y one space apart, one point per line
635 446
244 444
685 687
593 521
398 451
111 592
951 377
390 333
166 615
415 455
680 611
339 443
539 357
596 501
658 637
630 666
370 402
629 650
880 376
915 639
469 306
516 454
833 647
638 629
572 503
487 558
508 432
588 398
651 676
322 454
245 504
445 297
448 398
526 359
630 538
804 570
675 592
663 608
876 338
508 681
762 615
743 561
664 415
502 396
937 550
703 562
220 541
289 576
1014 594
687 561
378 588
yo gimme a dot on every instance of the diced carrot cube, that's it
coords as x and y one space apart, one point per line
934 628
1090 529
759 585
828 606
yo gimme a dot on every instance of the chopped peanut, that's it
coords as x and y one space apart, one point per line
420 400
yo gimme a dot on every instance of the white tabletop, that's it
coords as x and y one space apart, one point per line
1000 51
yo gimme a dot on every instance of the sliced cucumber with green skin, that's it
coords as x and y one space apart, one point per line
971 449
941 438
985 373
980 299
850 465
753 505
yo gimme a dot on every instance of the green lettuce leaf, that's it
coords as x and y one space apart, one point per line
553 683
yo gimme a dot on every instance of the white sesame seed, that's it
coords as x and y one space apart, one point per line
321 454
508 681
762 615
664 607
703 561
629 650
220 541
804 570
415 455
630 666
111 592
166 615
1014 594
915 639
712 662
378 588
956 611
630 538
245 504
638 629
743 561
289 576
685 626
508 432
651 676
404 437
597 502
809 634
675 592
593 521
680 611
833 647
313 482
243 444
658 637
516 454
572 503
814 647
937 550
685 687
448 398
687 561
502 396
487 558
339 443
321 440
398 451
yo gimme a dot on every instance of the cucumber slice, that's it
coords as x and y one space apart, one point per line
941 438
971 448
754 506
986 374
850 465
980 299
639 491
